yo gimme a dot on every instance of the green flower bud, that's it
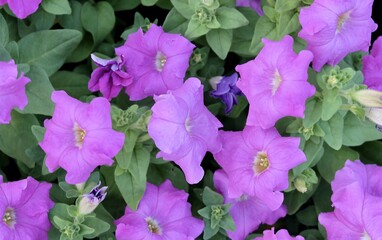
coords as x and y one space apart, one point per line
368 98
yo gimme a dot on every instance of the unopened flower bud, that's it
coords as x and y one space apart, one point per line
300 185
90 201
374 114
368 98
214 81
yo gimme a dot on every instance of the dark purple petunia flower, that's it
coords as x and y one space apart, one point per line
110 76
227 91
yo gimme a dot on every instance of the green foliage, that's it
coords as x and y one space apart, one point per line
57 7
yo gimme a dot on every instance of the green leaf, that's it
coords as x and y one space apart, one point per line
312 234
227 223
208 231
230 18
182 6
83 50
205 212
371 152
56 7
265 28
195 29
220 41
288 23
211 198
313 111
39 92
124 157
158 173
294 200
333 160
132 182
356 131
75 84
333 131
50 56
97 225
17 137
98 19
331 104
175 22
148 2
283 6
12 50
38 132
4 33
321 198
72 21
312 152
122 5
308 216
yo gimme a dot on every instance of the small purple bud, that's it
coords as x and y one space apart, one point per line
90 201
226 91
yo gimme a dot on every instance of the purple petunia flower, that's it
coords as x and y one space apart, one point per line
183 128
257 162
247 212
372 66
275 83
333 29
24 207
163 213
227 91
22 8
157 61
110 76
280 235
90 201
12 90
79 137
357 201
255 4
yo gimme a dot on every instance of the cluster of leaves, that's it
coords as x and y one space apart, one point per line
52 48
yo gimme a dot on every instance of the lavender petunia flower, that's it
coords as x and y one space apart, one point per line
12 90
183 128
226 90
275 83
280 235
79 137
357 202
90 201
24 207
255 4
163 213
247 212
333 29
110 76
22 8
157 61
257 162
372 66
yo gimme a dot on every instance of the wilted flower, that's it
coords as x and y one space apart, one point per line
79 137
357 202
257 162
24 207
255 4
333 29
372 66
226 90
183 128
280 235
247 212
22 8
276 83
90 201
110 77
163 213
12 90
156 60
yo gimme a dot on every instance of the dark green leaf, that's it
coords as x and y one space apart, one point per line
220 41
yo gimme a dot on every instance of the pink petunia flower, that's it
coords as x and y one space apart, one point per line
247 212
163 213
357 201
22 8
12 90
79 137
255 4
335 28
110 77
157 61
275 83
372 66
183 128
282 234
24 207
257 162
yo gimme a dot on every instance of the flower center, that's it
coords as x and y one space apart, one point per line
79 135
276 81
365 236
9 217
261 163
242 198
187 124
342 20
160 61
153 226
